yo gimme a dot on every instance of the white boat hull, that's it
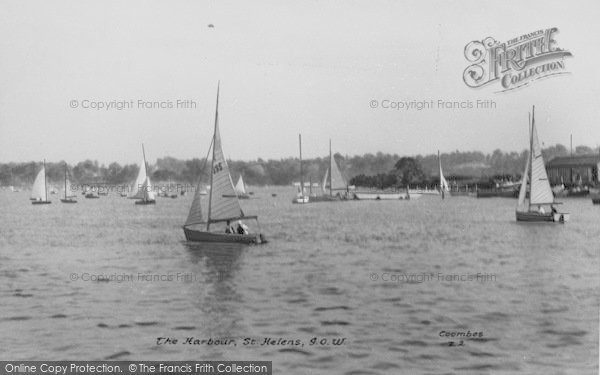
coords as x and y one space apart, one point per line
381 196
532 216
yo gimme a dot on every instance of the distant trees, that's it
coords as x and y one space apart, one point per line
370 170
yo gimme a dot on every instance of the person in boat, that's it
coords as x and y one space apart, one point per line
242 228
541 210
554 210
229 228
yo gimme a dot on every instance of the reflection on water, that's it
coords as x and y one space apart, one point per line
325 274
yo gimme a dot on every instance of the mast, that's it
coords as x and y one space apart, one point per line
531 157
441 184
212 162
301 172
330 169
45 187
145 185
65 181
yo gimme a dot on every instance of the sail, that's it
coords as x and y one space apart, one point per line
523 192
325 179
224 203
147 193
540 192
195 215
38 191
68 188
443 183
138 192
337 181
239 187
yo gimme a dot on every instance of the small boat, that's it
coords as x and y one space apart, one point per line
137 191
39 191
91 193
68 196
540 205
334 187
223 204
240 189
147 195
444 187
380 195
301 196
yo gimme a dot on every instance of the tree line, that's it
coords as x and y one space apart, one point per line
379 170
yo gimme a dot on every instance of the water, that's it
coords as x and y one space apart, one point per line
539 314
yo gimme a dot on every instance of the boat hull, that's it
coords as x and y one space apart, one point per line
143 202
497 193
532 216
301 200
41 202
68 201
89 196
380 196
202 236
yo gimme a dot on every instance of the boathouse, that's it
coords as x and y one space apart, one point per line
573 168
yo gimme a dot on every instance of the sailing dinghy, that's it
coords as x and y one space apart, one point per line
240 189
444 187
145 189
301 196
540 205
39 191
69 197
223 204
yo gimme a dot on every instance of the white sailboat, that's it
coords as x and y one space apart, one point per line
540 205
137 191
334 186
39 191
301 196
223 204
240 189
444 187
69 197
145 189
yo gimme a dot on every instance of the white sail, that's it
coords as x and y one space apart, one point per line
540 191
337 181
443 183
38 191
68 189
138 192
195 214
325 179
223 199
240 189
147 193
523 191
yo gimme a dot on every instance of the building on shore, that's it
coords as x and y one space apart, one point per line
571 170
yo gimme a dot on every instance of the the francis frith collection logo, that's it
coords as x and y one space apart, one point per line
515 63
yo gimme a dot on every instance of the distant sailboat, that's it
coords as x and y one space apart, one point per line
540 205
68 196
301 197
223 204
444 187
334 186
240 190
145 191
39 191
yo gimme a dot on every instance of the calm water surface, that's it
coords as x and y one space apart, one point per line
319 276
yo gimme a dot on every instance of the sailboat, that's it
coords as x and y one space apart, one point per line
540 205
334 186
223 204
444 187
301 197
240 189
69 196
145 189
39 191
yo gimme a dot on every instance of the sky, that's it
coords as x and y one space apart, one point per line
285 68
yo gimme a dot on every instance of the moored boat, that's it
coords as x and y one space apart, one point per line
301 196
69 197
